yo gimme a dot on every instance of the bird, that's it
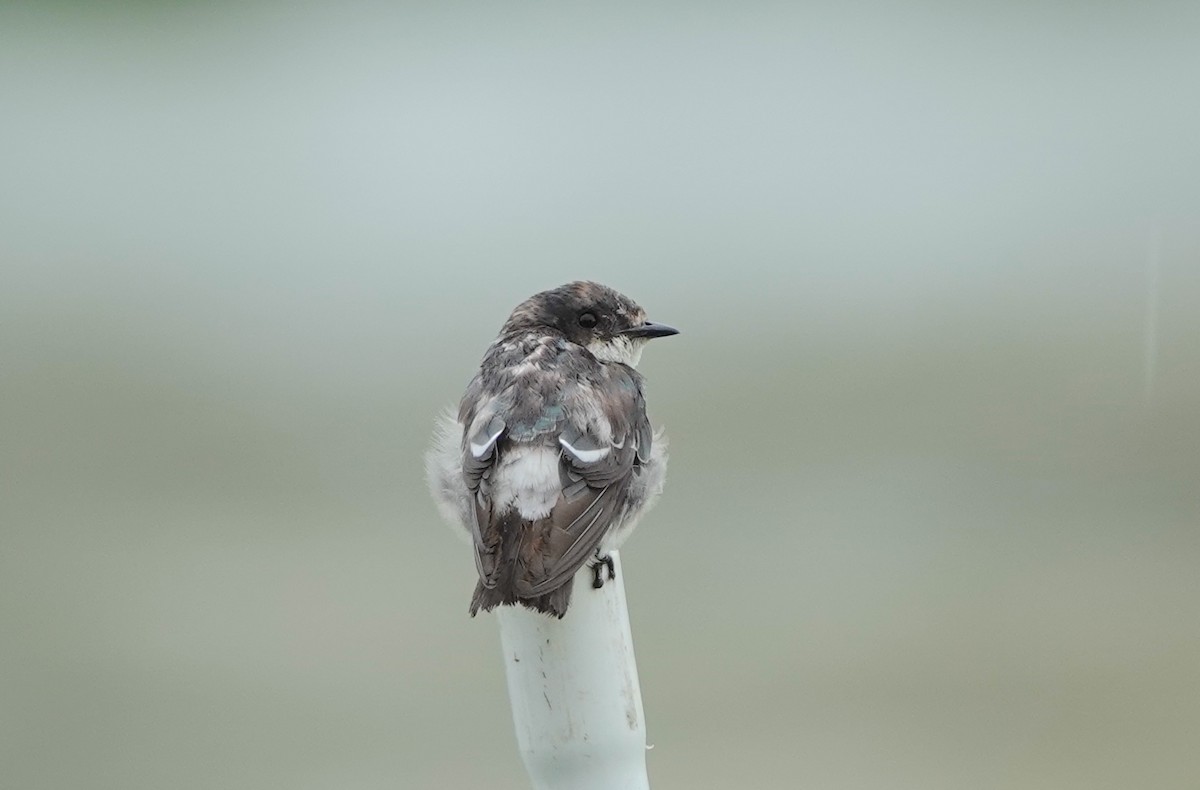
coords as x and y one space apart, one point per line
550 459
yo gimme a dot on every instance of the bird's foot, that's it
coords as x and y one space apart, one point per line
602 563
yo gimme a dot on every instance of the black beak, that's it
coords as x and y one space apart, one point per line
649 330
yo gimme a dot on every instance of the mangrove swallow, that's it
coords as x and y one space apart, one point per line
550 460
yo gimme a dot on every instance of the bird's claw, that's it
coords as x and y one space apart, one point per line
598 571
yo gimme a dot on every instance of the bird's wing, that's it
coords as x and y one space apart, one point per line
600 427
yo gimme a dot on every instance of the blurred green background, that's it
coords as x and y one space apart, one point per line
933 516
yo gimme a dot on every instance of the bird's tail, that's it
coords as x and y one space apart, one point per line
507 571
553 603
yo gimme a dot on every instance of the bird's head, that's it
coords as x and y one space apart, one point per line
607 323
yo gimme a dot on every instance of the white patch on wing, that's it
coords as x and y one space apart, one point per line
584 456
527 478
478 450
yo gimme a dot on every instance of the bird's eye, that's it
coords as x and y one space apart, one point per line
587 320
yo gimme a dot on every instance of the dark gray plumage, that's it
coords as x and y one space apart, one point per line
551 459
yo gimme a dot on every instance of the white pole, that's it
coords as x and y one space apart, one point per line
573 684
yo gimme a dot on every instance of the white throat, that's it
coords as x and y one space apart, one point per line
626 350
